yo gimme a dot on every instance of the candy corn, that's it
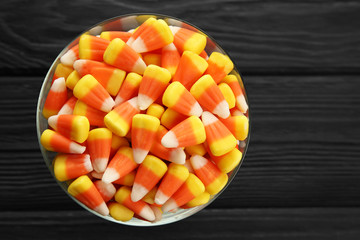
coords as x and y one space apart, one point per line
85 66
73 127
91 47
120 212
68 107
110 78
153 84
233 82
157 212
90 91
85 191
62 71
72 79
69 166
149 173
208 94
152 58
175 155
153 36
111 35
192 188
120 55
53 141
185 39
99 146
127 180
141 208
129 88
155 110
219 66
227 162
95 116
120 118
228 94
116 143
191 67
179 99
106 190
172 181
143 133
218 137
70 56
238 126
150 196
199 200
210 175
170 58
120 165
56 98
171 118
189 132
198 149
145 25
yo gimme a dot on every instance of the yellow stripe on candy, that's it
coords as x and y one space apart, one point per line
155 110
199 200
172 94
201 85
99 133
164 30
112 51
80 129
72 79
223 145
196 43
228 94
80 185
160 74
155 165
194 184
198 149
115 81
60 167
84 86
116 124
45 139
120 212
198 128
85 49
218 184
147 122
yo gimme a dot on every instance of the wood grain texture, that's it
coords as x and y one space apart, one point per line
261 36
277 224
303 150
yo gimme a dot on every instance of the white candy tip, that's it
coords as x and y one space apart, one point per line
76 148
100 164
208 118
58 85
52 121
139 155
139 46
177 156
147 213
160 197
138 192
107 105
87 163
196 110
169 205
139 66
78 64
65 110
68 58
102 209
118 100
110 175
144 101
169 140
241 103
222 110
198 161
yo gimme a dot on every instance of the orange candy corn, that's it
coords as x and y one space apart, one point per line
111 35
141 208
127 180
99 146
175 155
149 173
85 66
72 79
116 143
120 55
110 78
55 142
129 88
68 107
91 47
185 39
238 126
70 56
120 118
208 94
62 70
227 162
189 132
218 137
152 86
145 25
179 99
172 181
143 133
69 166
85 191
120 165
233 82
74 127
213 179
56 98
153 36
106 190
170 118
219 66
192 188
170 58
228 94
191 67
199 200
155 110
90 91
95 116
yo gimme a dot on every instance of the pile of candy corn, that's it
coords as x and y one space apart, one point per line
144 121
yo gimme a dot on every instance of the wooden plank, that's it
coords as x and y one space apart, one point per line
261 36
273 223
303 149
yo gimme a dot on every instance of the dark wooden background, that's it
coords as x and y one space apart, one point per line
301 66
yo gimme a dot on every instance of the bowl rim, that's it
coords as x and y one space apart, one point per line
183 213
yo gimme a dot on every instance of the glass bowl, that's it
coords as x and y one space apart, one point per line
125 23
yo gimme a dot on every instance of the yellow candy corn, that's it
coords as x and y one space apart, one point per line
171 118
69 166
219 66
198 149
120 212
238 126
185 39
155 110
199 200
72 79
226 163
228 94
